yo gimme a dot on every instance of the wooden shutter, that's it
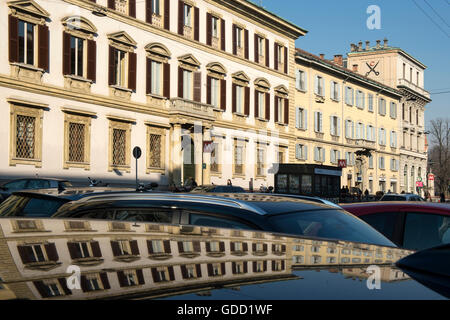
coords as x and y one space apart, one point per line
25 253
256 48
233 267
196 24
208 247
148 84
184 272
149 247
180 82
286 111
267 106
52 254
208 89
221 246
148 11
166 244
247 101
256 104
222 268
254 265
197 86
41 288
245 246
132 8
155 275
232 247
73 250
286 60
83 283
275 56
265 265
198 269
13 39
234 39
180 17
180 247
134 247
171 274
167 14
196 246
276 108
63 284
112 4
222 34
96 249
267 54
115 248
121 278
111 68
105 281
132 71
265 247
140 276
233 98
246 43
209 266
66 53
223 94
166 80
208 28
91 60
43 47
245 266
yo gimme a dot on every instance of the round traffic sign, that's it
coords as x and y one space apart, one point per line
137 152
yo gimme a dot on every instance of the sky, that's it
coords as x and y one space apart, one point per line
419 27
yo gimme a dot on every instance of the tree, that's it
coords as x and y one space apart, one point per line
439 153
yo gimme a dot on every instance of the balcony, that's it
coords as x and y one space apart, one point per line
414 87
190 109
365 143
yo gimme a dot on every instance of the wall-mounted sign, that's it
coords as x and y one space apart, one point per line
342 163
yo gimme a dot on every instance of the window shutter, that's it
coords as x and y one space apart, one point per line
297 118
316 154
256 104
115 248
112 4
267 106
184 273
111 69
132 71
208 89
332 125
246 49
105 281
166 80
316 123
210 269
276 108
198 270
320 122
256 48
180 82
13 39
267 54
132 8
332 156
286 111
43 47
208 29
222 34
166 244
305 152
339 126
297 79
247 101
155 275
96 249
233 97
171 274
149 76
148 11
353 129
223 94
197 86
41 288
234 39
63 284
66 54
73 250
196 24
275 56
140 276
121 278
285 60
322 155
91 60
297 151
25 253
180 17
167 14
52 254
316 85
134 247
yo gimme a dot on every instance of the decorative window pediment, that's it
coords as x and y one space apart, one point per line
158 49
216 67
262 83
189 60
28 9
78 24
122 40
282 90
241 76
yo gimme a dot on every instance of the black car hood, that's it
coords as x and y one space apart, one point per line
98 259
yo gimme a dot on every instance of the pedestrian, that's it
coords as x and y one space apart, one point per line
229 182
442 197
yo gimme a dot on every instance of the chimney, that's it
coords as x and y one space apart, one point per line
322 56
360 46
367 45
355 68
378 44
338 60
385 43
352 47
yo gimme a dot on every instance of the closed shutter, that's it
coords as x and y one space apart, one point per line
196 246
276 108
210 269
115 248
196 24
222 34
132 71
149 76
105 281
267 54
171 274
208 247
63 284
13 39
256 48
42 289
197 86
184 272
198 269
73 250
111 68
256 104
52 254
245 266
246 49
233 267
247 101
148 11
234 39
267 106
167 14
43 47
112 4
96 249
320 122
132 8
149 247
122 279
155 275
285 60
221 246
222 268
166 80
254 266
223 94
84 283
134 247
208 29
208 89
91 60
286 111
180 247
180 17
233 98
66 53
244 246
25 252
140 276
180 82
275 56
265 265
166 244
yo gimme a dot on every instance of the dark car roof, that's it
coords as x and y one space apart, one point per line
37 178
363 208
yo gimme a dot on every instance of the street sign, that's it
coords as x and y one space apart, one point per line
342 163
208 146
137 152
419 184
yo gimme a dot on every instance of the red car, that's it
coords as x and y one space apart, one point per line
409 225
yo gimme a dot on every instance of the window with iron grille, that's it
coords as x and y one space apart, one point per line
25 136
76 142
119 147
215 158
238 160
155 150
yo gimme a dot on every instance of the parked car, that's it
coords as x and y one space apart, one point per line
248 211
165 261
401 197
410 225
216 188
31 183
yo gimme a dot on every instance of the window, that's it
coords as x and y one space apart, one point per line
301 151
394 164
300 82
156 146
238 35
382 137
335 91
76 56
26 42
349 129
417 79
215 160
382 107
425 230
335 155
156 78
120 64
319 154
156 7
360 99
370 134
77 140
349 98
187 17
260 160
215 92
301 119
261 46
319 86
239 159
215 27
404 71
393 139
417 116
280 114
187 84
381 164
370 162
120 147
370 102
359 132
239 99
350 158
335 126
318 123
393 110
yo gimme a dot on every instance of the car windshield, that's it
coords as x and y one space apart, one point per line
333 224
393 198
22 206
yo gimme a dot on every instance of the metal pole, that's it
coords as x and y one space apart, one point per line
137 185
